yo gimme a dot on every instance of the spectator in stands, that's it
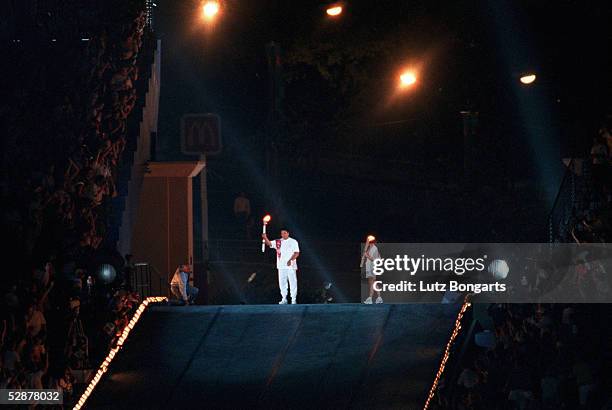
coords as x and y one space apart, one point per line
35 321
36 351
584 381
468 381
11 299
242 210
549 385
11 358
180 285
43 277
599 158
128 271
36 374
605 134
48 181
519 385
66 384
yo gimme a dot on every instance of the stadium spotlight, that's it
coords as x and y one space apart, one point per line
528 79
107 273
334 11
407 78
210 9
499 269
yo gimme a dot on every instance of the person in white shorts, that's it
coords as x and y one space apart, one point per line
370 254
287 252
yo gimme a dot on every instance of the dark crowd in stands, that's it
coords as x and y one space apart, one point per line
592 222
546 356
70 75
534 357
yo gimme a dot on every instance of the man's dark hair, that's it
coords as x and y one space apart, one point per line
284 229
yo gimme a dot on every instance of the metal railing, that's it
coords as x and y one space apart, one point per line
562 208
572 198
141 279
148 281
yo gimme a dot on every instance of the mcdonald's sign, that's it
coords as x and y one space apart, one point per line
201 134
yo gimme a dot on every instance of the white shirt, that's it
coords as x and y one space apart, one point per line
180 279
374 254
285 252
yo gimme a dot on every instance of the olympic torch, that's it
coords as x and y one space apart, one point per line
369 240
266 219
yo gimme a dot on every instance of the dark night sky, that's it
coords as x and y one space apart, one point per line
472 54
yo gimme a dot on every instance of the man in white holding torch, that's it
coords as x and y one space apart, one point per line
287 252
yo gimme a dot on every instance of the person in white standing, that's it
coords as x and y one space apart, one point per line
287 252
370 255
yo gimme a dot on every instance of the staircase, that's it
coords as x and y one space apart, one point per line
572 198
142 126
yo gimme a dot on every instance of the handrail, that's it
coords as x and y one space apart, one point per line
160 276
568 171
151 268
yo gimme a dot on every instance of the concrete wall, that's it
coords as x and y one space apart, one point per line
163 228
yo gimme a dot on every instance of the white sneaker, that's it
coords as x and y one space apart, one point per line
283 302
294 301
368 301
379 300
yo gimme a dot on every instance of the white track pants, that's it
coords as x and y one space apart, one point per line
287 276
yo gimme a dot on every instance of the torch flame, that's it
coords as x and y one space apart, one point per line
371 238
267 219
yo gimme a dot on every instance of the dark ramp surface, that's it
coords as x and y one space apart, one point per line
269 356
